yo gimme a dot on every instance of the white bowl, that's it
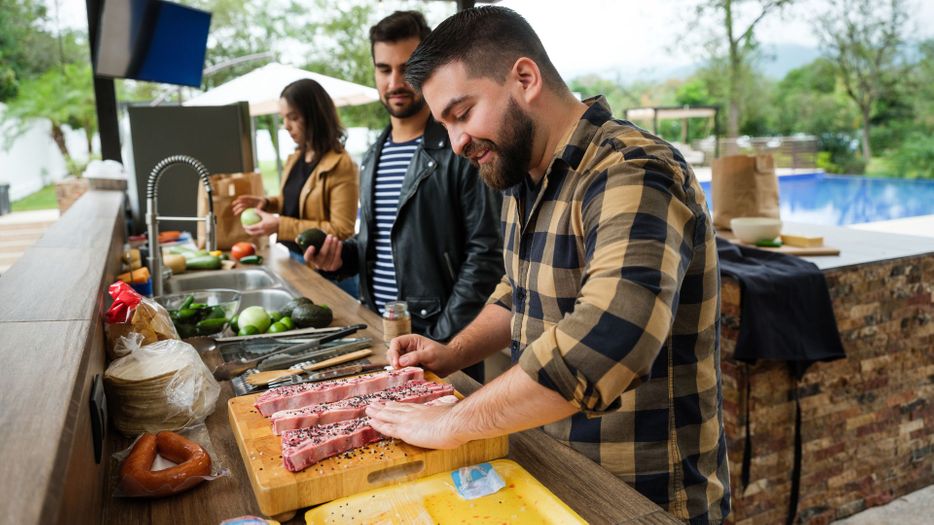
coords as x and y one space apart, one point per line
754 229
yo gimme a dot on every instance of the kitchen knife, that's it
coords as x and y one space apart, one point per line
233 368
333 373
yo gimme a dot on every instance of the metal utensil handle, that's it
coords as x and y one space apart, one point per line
314 377
317 342
342 347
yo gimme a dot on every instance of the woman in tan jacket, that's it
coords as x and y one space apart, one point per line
320 188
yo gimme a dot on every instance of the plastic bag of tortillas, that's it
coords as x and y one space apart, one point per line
160 386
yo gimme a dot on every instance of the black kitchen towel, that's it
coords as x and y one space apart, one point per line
786 312
786 315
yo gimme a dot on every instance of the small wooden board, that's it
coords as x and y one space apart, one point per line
279 491
790 250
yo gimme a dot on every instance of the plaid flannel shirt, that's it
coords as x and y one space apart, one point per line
615 294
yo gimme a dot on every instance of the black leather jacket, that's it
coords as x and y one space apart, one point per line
446 241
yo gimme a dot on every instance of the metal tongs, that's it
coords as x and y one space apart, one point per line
233 368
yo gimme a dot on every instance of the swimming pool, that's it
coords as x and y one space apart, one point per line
839 200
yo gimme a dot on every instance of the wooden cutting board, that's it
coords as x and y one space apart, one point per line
790 250
280 492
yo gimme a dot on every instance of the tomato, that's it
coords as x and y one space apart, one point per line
242 249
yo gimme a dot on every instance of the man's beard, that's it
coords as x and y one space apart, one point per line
511 163
413 108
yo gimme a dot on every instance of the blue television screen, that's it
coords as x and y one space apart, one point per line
152 40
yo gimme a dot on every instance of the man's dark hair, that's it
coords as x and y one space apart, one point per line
323 129
401 25
488 40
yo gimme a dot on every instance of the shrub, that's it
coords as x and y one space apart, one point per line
915 157
838 154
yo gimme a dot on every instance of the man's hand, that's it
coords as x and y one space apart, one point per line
329 258
510 403
418 350
419 425
268 226
246 201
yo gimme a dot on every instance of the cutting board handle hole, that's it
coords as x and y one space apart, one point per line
396 472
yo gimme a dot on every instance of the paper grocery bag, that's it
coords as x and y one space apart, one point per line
226 188
743 186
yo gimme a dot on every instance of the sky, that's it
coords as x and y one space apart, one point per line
652 37
641 39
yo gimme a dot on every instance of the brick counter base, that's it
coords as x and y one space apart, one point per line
867 420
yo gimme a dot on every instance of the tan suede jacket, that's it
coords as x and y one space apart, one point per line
328 199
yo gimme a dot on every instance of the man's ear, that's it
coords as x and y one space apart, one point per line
528 79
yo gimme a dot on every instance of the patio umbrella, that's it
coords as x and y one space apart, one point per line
262 86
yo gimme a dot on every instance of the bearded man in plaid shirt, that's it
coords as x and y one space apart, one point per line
610 304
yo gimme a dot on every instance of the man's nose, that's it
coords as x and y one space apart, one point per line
396 79
459 140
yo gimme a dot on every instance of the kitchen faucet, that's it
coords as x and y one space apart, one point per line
152 218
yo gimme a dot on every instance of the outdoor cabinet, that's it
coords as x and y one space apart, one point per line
221 137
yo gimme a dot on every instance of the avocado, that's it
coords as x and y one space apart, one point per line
312 316
313 237
286 310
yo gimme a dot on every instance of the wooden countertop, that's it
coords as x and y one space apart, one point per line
51 302
50 305
597 495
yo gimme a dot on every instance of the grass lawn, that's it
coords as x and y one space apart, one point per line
877 167
270 179
43 199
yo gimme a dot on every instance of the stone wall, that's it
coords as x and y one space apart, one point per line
867 420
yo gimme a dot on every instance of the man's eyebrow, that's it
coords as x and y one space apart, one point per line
381 64
445 115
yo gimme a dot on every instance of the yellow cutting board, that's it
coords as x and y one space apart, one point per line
435 500
279 491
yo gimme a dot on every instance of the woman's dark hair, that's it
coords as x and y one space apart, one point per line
488 40
401 25
323 129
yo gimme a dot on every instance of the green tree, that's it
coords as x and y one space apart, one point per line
811 99
62 95
734 47
25 50
912 155
619 97
343 51
923 82
694 92
325 37
864 39
755 117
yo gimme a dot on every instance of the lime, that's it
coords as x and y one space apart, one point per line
286 321
248 330
275 328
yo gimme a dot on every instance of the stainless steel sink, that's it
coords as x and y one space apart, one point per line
271 299
258 287
241 279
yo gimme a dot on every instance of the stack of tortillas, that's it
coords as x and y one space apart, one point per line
162 386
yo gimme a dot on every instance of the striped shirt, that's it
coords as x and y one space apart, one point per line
614 289
390 173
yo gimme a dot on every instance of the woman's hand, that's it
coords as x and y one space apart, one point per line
268 226
247 201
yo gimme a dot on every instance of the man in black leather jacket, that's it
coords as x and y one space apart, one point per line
446 246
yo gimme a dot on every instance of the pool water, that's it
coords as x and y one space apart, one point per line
839 200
